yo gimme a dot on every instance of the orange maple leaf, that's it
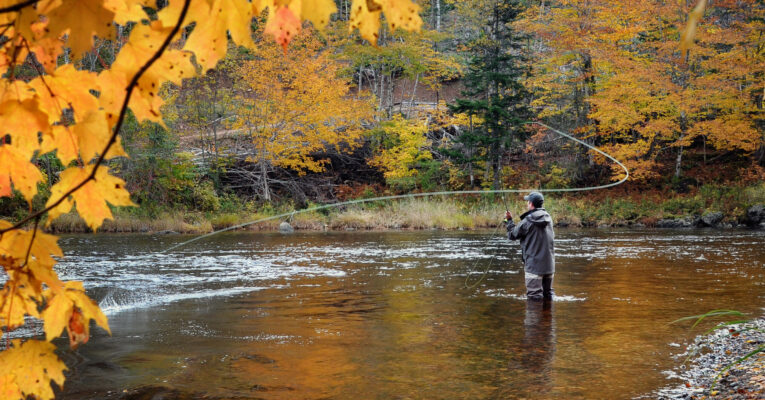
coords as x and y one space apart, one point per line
283 25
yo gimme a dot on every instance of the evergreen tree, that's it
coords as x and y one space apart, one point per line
494 91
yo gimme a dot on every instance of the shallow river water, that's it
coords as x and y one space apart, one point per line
369 315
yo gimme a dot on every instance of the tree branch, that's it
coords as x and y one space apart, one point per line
17 7
133 83
31 241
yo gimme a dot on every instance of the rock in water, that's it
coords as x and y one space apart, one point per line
285 227
712 218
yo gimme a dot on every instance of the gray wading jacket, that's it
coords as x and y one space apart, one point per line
535 231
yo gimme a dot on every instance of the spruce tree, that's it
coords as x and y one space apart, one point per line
494 90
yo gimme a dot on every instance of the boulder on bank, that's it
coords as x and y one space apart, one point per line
755 215
686 222
712 219
285 227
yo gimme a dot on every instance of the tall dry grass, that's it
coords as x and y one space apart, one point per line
415 214
72 223
476 212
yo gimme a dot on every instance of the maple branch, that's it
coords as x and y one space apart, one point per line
18 6
31 241
123 112
40 73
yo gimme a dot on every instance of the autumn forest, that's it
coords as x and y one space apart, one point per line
188 116
444 108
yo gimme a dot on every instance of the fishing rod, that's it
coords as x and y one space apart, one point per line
503 192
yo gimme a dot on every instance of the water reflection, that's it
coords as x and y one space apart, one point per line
538 346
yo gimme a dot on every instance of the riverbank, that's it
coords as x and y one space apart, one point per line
708 207
445 214
710 355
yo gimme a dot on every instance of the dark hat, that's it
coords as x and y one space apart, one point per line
535 198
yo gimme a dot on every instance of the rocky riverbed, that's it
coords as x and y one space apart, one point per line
710 354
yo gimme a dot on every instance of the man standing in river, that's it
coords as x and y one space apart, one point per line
535 231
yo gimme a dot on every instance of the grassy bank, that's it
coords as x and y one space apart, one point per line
455 212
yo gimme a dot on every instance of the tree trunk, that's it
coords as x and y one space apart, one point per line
470 156
438 15
391 87
264 176
380 93
414 91
679 161
683 127
759 156
472 175
497 171
358 92
704 138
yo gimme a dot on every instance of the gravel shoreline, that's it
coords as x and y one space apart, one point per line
712 353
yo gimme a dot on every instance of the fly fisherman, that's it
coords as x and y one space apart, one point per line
535 231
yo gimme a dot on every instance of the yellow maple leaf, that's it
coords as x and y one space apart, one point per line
63 141
317 11
16 168
15 90
91 198
93 134
208 41
126 10
8 388
365 20
43 273
207 51
15 244
172 66
197 11
15 303
32 366
82 19
5 185
111 85
23 120
258 6
71 88
693 20
400 14
46 51
71 308
237 17
29 25
403 14
57 314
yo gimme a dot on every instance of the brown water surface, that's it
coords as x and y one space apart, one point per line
369 315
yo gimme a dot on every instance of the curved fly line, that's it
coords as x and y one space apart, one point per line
430 194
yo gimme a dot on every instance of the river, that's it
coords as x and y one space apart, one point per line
370 315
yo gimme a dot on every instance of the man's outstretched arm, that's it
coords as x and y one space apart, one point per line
514 232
